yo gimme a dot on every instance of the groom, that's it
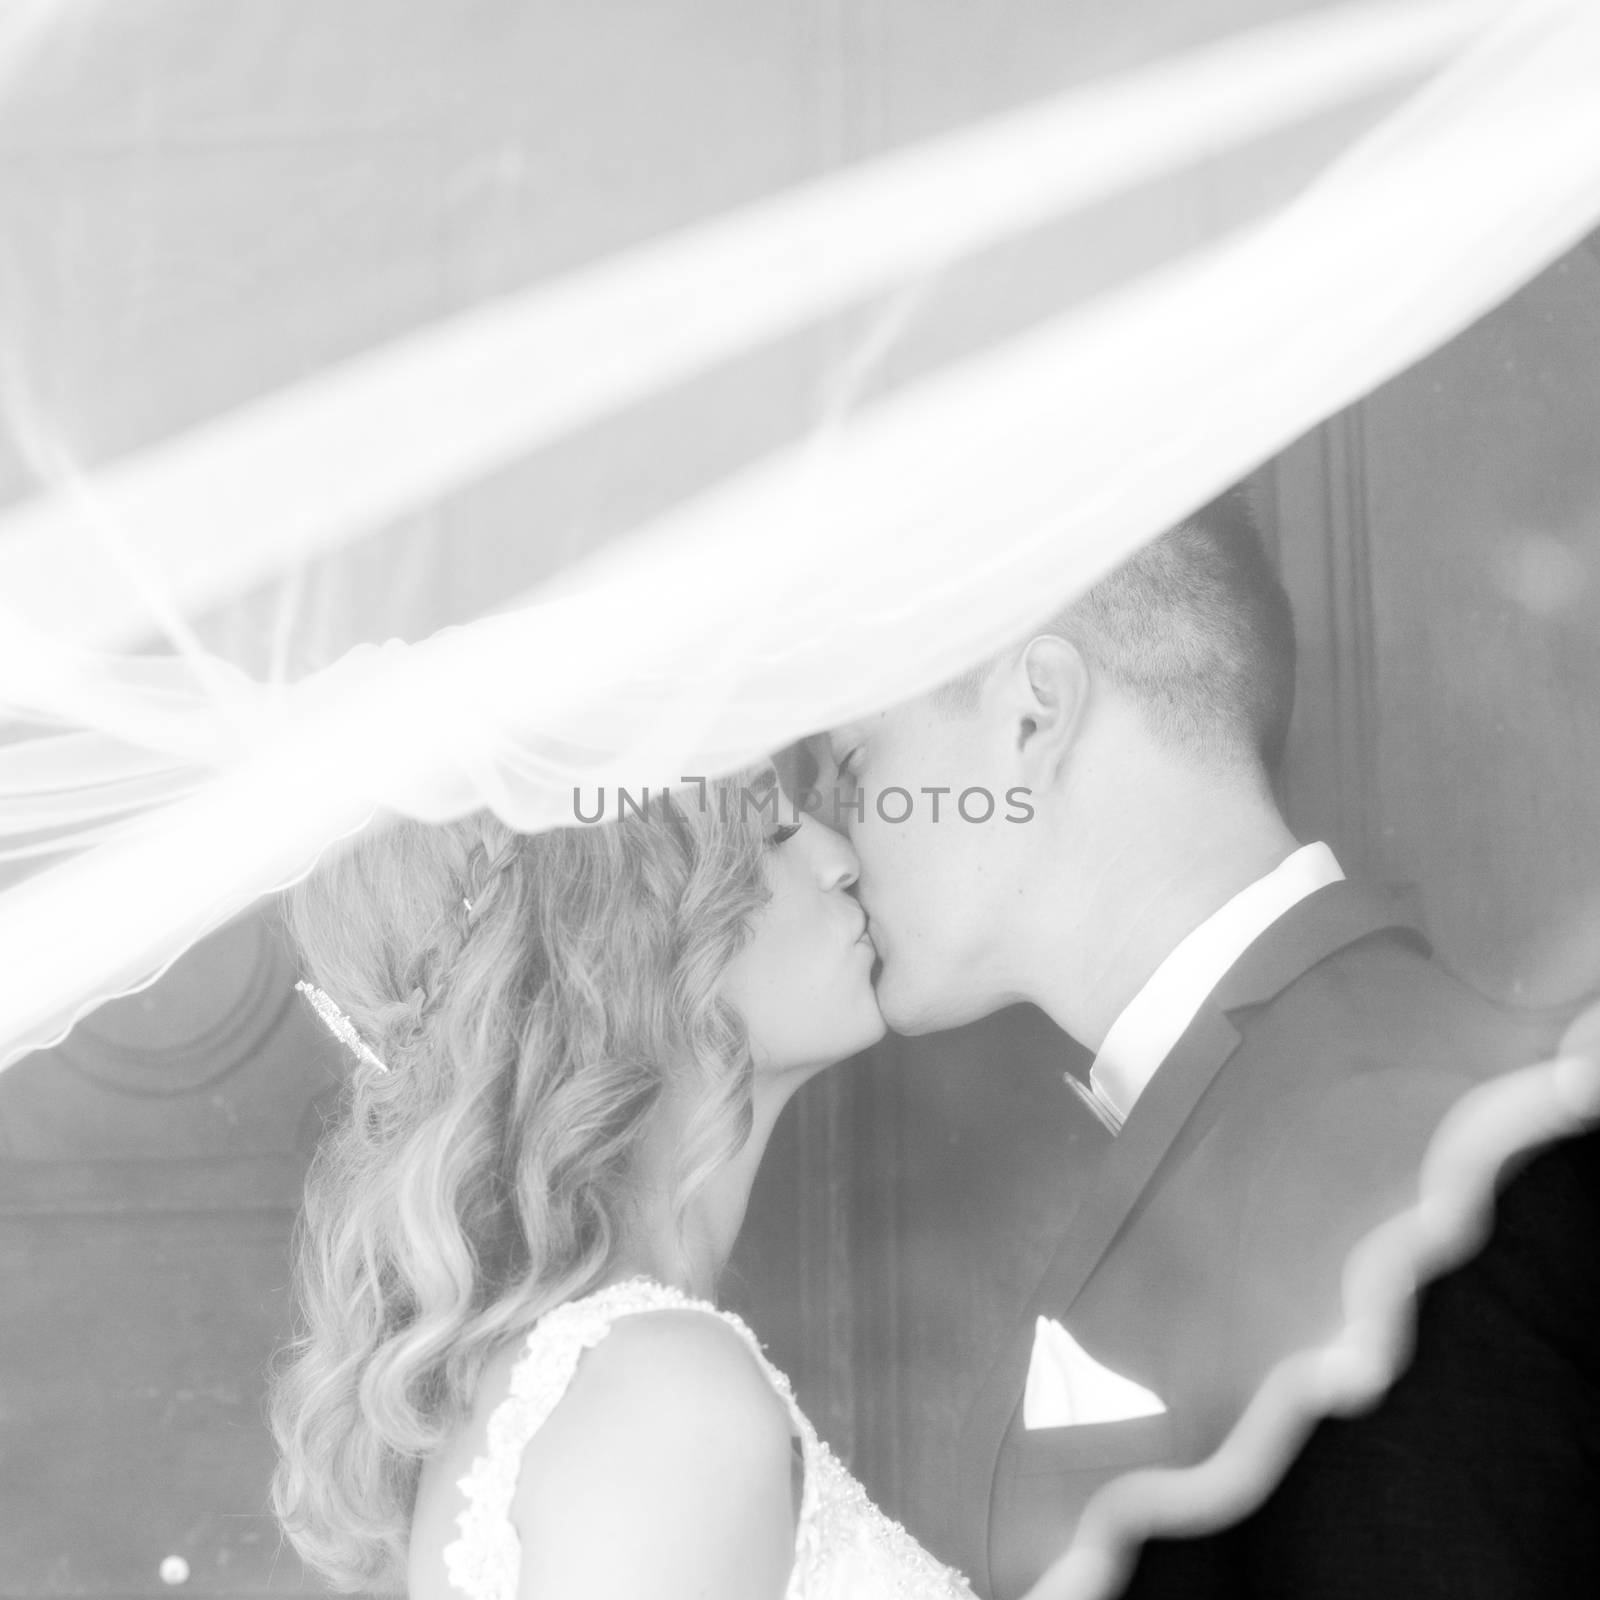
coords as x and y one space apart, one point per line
1273 1049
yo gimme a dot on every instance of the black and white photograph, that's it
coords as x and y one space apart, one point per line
800 799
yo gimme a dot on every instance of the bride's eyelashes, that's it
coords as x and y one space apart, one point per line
783 834
846 764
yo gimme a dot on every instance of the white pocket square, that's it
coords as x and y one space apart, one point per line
1068 1388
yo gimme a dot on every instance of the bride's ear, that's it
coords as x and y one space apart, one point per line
1051 686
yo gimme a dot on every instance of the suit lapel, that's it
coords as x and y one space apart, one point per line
1319 925
1155 1122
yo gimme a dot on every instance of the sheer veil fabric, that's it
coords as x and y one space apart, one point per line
154 784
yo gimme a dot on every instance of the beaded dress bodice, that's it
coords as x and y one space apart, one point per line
845 1547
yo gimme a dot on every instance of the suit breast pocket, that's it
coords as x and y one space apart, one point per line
1100 1448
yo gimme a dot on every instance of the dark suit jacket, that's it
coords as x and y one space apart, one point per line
1288 1121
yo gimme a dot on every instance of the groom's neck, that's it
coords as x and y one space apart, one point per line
1155 863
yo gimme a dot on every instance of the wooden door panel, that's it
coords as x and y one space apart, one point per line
1442 546
152 1171
134 1349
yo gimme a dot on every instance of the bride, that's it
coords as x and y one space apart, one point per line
509 1380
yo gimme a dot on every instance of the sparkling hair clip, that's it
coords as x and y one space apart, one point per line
339 1025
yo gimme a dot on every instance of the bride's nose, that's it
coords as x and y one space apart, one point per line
837 864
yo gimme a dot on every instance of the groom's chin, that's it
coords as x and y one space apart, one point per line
909 1009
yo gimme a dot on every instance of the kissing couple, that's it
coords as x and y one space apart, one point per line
510 1378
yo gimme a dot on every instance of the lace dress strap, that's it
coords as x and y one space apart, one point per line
484 1563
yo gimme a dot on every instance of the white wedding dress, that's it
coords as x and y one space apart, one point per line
845 1547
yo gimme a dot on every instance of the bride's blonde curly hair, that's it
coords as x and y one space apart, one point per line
486 1176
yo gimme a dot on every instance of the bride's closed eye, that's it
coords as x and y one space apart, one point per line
783 833
846 764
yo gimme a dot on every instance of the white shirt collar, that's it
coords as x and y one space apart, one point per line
1155 1019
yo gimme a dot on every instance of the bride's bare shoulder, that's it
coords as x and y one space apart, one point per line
666 1381
669 1421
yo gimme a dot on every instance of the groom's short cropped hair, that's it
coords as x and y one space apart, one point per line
1196 628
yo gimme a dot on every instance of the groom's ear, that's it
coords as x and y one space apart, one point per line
1051 689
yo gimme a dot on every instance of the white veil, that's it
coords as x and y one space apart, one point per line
157 775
